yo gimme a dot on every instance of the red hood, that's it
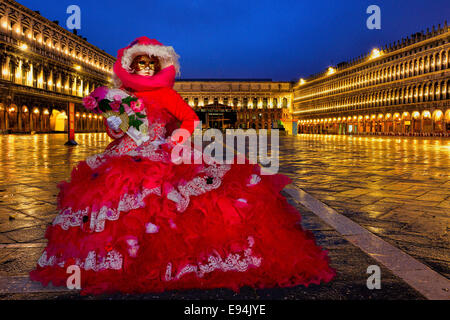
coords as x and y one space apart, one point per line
135 82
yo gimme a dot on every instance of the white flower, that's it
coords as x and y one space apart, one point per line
113 92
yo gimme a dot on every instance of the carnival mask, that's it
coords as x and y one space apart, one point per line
145 66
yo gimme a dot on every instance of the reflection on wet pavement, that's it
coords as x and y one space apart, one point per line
397 188
31 166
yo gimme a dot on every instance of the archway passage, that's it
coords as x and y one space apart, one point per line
217 116
58 121
431 122
438 121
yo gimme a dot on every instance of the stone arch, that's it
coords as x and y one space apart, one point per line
25 119
421 69
416 122
447 121
420 92
427 122
12 117
3 115
58 120
397 123
438 121
415 94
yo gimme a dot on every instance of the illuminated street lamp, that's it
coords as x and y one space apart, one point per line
375 53
331 71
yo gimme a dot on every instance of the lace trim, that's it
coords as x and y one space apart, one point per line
148 150
198 185
68 218
96 160
233 262
44 261
128 147
113 260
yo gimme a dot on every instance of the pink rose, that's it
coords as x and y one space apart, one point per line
90 103
137 106
99 93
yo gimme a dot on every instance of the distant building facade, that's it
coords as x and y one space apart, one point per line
237 103
401 89
43 68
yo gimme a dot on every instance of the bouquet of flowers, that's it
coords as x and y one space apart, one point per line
128 111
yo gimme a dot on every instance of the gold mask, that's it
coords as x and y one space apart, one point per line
145 65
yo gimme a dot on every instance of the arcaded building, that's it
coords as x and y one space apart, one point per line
237 103
43 68
401 89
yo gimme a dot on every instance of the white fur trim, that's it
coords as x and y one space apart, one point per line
166 55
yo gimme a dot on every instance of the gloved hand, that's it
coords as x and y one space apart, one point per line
114 122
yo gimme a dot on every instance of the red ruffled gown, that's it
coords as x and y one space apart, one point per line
135 222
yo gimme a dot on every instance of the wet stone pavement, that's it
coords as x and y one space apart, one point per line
397 188
366 180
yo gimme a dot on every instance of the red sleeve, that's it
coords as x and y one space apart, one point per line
112 133
182 111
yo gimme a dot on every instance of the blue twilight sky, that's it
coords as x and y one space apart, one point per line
281 40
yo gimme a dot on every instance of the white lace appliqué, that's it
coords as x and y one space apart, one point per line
68 218
198 185
233 262
113 260
96 160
